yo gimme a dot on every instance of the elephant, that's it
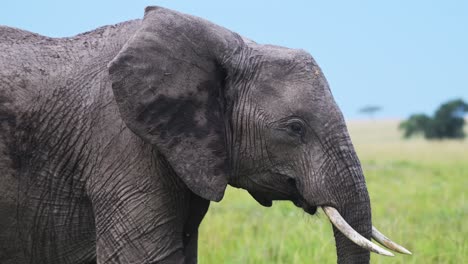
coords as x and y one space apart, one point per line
115 141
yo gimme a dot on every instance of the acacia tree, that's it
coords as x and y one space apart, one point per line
448 122
370 110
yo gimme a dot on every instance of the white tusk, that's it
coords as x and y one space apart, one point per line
339 222
386 242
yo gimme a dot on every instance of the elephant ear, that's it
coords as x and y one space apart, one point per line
168 81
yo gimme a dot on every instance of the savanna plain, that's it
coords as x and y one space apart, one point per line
418 198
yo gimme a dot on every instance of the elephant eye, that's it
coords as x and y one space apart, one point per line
297 127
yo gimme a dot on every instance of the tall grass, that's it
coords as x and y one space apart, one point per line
418 193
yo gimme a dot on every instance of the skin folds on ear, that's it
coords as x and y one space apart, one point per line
169 85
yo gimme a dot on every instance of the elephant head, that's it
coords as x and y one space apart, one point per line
225 110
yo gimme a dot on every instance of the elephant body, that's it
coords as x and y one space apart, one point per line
65 147
114 142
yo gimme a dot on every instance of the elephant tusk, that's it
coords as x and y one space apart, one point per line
341 224
386 242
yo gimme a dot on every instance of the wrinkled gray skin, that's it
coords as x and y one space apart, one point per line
114 141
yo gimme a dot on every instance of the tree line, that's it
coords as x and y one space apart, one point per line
447 122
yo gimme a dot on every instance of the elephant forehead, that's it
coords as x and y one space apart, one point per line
276 58
293 85
294 91
284 70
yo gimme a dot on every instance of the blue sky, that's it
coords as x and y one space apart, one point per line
405 56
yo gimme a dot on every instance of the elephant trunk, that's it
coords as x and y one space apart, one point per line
351 214
349 209
358 216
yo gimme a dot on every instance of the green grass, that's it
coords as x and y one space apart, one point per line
418 193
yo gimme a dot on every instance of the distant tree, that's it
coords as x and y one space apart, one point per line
370 110
448 122
416 124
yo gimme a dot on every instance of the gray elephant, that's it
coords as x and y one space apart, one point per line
114 142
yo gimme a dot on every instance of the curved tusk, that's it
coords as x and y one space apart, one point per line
341 224
386 242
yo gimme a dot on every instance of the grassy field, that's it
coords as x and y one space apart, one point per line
418 193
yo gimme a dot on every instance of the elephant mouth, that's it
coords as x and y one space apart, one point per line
310 209
292 194
297 201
